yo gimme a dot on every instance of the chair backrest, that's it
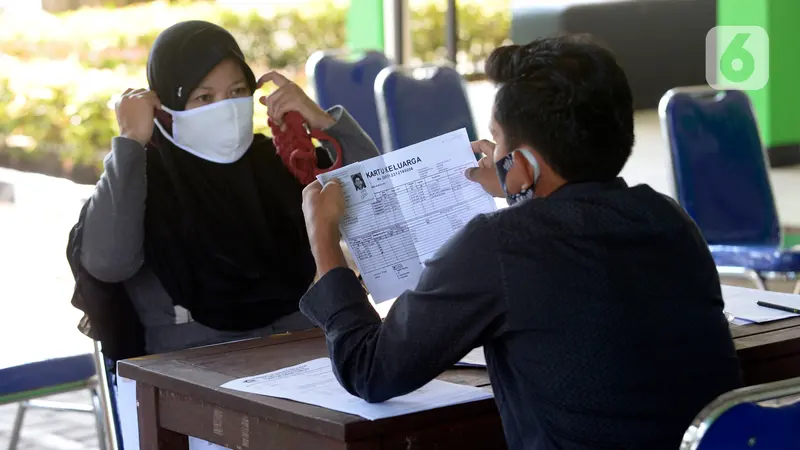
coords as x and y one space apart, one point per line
765 417
719 165
419 104
338 80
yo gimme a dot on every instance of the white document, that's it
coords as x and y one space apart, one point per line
475 358
741 303
129 420
315 384
402 206
127 412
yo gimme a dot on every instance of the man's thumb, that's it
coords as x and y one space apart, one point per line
312 188
332 185
470 173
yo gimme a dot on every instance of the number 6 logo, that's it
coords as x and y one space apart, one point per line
737 58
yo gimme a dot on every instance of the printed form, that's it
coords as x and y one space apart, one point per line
402 206
314 383
475 358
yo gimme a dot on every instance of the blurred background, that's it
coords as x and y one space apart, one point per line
60 70
62 62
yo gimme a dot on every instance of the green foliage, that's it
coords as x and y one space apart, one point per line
77 130
275 38
91 127
6 96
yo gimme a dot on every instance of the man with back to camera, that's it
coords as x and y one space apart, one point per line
598 304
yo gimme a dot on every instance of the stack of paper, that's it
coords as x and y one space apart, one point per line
314 383
475 358
741 302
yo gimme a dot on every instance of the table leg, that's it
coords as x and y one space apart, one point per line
151 435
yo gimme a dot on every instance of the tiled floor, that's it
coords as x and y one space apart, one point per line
36 279
45 429
36 283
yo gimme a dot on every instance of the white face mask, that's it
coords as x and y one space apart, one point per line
220 132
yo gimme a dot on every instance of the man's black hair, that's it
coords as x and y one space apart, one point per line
569 99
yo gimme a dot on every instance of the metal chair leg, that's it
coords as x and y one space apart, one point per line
99 418
103 391
16 430
742 274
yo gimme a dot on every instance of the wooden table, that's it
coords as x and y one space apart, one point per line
768 352
179 395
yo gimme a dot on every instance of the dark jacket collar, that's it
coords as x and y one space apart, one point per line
589 187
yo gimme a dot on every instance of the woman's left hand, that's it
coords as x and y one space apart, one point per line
290 97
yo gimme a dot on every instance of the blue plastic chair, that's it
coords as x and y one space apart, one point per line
350 83
419 104
722 180
763 417
26 383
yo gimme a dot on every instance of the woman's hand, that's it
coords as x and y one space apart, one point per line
289 97
135 112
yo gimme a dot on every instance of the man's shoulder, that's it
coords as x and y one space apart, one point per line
476 237
645 190
527 215
660 202
477 229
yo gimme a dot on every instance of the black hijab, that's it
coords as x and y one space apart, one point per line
227 241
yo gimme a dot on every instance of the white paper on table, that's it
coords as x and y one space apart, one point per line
412 201
741 303
314 383
475 358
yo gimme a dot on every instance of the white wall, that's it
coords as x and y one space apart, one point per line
20 5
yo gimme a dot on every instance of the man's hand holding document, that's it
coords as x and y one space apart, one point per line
399 208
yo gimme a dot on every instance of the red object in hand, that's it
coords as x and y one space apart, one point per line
296 149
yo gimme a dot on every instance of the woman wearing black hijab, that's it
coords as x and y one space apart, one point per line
194 234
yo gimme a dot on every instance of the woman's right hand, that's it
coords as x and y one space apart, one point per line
135 112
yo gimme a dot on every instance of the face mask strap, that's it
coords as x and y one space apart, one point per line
504 166
533 162
164 117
